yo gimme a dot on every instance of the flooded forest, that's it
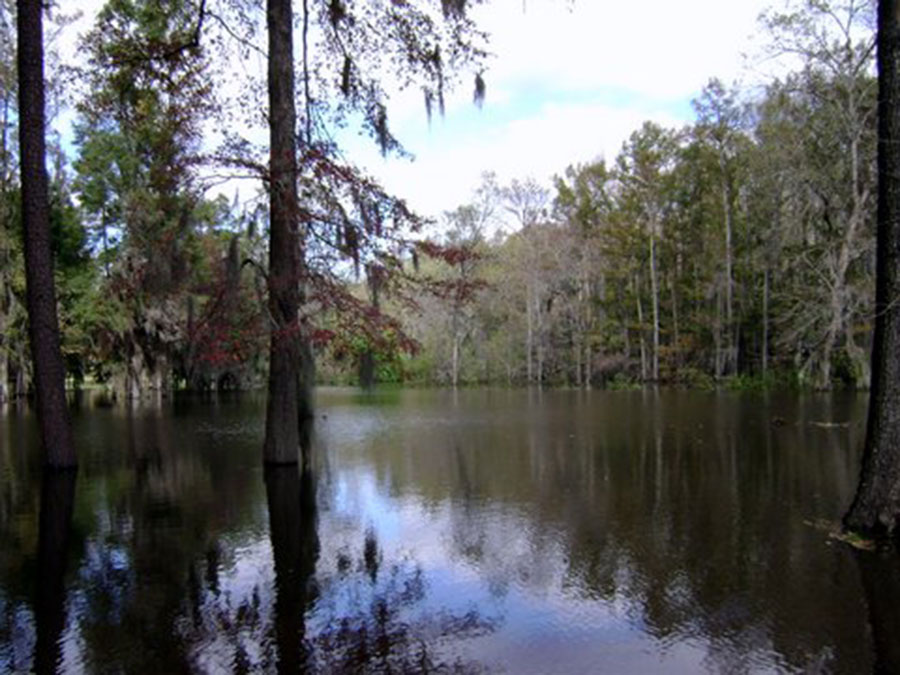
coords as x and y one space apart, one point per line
258 413
738 249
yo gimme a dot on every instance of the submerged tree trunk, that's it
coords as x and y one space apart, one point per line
876 506
287 356
43 325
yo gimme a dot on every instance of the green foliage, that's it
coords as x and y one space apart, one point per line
741 244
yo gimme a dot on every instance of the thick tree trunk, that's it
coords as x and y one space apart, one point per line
876 507
286 355
43 326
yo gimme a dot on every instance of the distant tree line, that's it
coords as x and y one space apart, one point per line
738 249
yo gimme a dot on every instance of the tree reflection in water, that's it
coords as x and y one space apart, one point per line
633 532
880 575
375 632
295 549
57 499
351 612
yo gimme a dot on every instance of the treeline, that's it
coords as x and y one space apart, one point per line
739 248
148 269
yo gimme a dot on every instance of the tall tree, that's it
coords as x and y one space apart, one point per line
876 506
835 94
288 403
49 369
344 215
718 119
644 167
138 134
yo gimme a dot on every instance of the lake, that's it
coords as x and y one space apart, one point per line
513 531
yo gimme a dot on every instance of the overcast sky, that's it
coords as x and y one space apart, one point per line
570 80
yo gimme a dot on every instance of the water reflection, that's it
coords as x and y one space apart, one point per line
880 576
57 500
293 529
477 530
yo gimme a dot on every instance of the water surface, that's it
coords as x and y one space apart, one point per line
471 531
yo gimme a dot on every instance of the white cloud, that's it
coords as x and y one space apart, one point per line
569 83
448 167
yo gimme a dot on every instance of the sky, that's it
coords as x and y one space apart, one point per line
568 82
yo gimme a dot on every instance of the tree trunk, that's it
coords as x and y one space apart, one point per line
529 336
540 341
765 323
730 365
717 334
876 506
43 326
576 356
4 357
643 345
454 376
654 290
367 358
676 336
283 406
4 377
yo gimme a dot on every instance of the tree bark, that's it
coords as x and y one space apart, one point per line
529 338
286 355
876 506
730 365
765 323
640 318
367 371
654 290
43 326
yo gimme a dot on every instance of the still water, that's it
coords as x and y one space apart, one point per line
440 531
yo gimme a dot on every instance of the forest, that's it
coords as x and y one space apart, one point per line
737 250
182 212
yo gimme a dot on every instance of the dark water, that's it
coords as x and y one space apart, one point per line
478 531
